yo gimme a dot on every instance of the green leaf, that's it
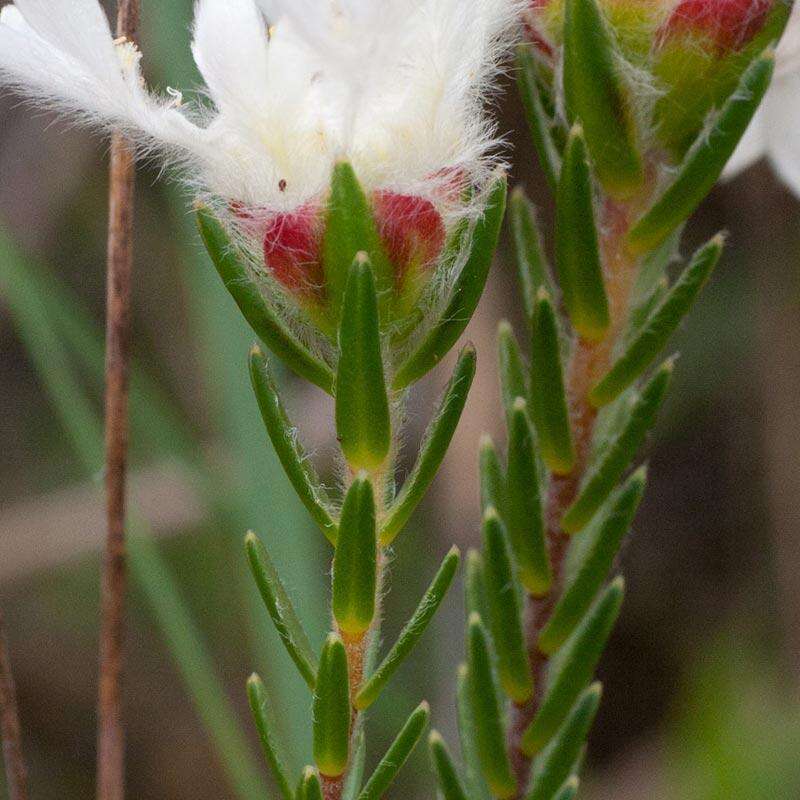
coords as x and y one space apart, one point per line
539 121
596 97
476 785
513 372
355 561
532 266
581 654
259 706
705 160
525 518
261 318
548 394
603 476
350 229
492 477
569 791
397 754
601 549
662 323
505 612
486 714
332 710
464 296
446 773
411 633
280 609
355 772
559 759
580 271
282 434
310 787
363 423
433 448
474 590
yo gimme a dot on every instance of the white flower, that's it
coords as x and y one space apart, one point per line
775 129
397 87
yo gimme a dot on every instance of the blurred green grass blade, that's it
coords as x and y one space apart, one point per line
556 763
601 549
397 754
280 608
655 333
484 699
355 773
262 715
464 295
603 476
434 446
569 791
492 477
447 776
576 666
505 612
412 631
285 440
532 267
537 118
705 160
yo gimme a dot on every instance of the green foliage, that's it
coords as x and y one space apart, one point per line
446 772
332 709
310 787
492 478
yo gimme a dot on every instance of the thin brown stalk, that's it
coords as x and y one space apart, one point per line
10 731
110 731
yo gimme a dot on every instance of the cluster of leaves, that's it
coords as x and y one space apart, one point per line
542 597
367 377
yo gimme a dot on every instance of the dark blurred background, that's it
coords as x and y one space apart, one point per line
703 674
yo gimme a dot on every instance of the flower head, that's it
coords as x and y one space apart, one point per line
397 89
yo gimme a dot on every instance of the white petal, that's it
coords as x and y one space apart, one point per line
230 48
783 129
751 147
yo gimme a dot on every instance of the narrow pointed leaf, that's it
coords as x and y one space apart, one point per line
332 710
261 318
412 631
705 160
492 478
641 312
559 759
596 96
602 548
577 252
604 475
282 434
363 424
310 787
532 266
569 791
397 754
433 448
355 772
476 785
655 333
355 560
505 613
259 706
513 373
539 121
474 590
548 394
525 518
581 654
446 773
350 229
486 713
464 296
280 609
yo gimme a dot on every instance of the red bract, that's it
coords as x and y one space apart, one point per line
730 24
292 245
411 229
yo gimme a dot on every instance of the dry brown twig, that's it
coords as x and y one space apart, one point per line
110 733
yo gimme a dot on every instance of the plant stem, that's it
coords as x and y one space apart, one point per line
589 361
110 733
10 731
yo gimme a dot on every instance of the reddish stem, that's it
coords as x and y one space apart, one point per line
110 733
10 731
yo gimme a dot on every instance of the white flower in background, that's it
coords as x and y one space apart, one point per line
775 129
396 87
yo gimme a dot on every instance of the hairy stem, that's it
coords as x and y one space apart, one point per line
110 733
10 732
